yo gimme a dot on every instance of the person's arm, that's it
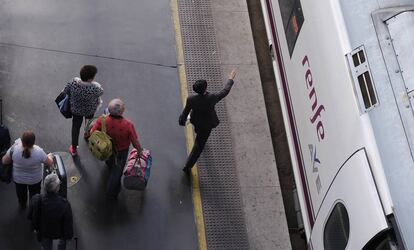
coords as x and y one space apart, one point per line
99 89
184 114
33 213
66 90
49 160
6 158
33 204
137 145
68 223
223 93
134 138
97 125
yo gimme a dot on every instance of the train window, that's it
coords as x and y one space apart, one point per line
367 91
292 16
336 232
386 244
382 241
361 74
358 58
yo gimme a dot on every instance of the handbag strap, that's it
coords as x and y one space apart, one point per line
103 121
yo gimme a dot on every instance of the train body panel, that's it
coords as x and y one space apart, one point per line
393 119
339 96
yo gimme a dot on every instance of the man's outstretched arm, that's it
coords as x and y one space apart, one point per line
223 93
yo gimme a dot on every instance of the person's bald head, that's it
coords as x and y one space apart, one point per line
116 107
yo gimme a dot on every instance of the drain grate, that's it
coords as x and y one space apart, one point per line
219 185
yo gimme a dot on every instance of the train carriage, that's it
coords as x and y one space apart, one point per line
345 74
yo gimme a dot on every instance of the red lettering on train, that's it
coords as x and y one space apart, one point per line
316 117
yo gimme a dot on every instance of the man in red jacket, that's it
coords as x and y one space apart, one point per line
123 133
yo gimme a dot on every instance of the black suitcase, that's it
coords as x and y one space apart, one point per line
4 133
4 144
58 168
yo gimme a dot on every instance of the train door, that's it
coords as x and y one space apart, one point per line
401 29
351 213
395 31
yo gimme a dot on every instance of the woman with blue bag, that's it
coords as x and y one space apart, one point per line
84 98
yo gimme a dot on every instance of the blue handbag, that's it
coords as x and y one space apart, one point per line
63 103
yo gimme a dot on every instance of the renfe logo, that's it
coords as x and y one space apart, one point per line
316 120
315 166
316 110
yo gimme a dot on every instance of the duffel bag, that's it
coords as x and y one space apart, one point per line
137 170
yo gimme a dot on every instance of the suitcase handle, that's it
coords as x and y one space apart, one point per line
59 168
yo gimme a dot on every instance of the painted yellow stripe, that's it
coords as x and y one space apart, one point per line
198 210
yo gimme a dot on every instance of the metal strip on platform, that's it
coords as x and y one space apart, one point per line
219 185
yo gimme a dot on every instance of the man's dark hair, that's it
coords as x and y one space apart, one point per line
88 72
200 86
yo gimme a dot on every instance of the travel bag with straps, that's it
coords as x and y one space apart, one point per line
63 103
6 171
4 133
100 143
137 170
5 142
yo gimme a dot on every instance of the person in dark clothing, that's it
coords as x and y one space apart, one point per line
51 215
203 115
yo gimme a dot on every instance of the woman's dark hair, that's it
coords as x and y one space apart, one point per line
200 86
88 72
28 140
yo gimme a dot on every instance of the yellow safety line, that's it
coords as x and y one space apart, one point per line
198 210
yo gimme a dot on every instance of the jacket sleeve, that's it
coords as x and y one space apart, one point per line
184 114
66 90
99 90
224 92
68 223
33 213
32 205
97 125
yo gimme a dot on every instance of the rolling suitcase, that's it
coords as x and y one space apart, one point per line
4 145
58 168
4 133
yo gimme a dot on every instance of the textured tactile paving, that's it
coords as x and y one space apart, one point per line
219 186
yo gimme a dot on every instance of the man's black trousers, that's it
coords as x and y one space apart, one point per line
199 143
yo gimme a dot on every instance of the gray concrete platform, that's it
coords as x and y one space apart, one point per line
262 203
262 200
43 44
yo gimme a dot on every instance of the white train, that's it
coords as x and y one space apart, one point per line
345 73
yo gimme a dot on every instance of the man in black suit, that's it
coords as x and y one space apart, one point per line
203 115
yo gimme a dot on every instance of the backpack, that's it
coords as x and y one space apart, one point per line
100 144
